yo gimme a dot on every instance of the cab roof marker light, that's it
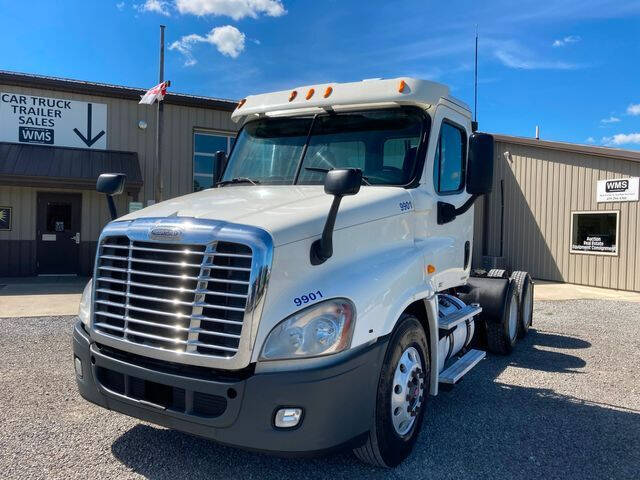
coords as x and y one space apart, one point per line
293 95
401 86
241 102
328 92
310 93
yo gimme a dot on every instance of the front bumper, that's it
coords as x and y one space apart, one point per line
337 395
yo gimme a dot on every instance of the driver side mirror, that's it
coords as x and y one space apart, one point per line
339 183
220 165
480 164
111 184
343 181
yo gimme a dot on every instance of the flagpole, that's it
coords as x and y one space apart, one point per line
159 187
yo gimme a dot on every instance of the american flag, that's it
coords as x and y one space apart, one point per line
158 92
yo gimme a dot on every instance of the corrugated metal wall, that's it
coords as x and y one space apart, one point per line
542 186
123 134
18 246
23 202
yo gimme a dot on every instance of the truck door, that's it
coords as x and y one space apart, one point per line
444 178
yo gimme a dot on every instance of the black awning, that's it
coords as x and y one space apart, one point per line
62 167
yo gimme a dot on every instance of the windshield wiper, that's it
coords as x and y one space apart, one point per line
237 180
365 179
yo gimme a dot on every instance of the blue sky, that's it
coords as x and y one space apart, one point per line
572 67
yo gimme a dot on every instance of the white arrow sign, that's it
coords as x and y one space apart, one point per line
52 121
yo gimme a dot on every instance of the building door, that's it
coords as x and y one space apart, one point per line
58 233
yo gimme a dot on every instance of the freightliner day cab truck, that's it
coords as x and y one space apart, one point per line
320 293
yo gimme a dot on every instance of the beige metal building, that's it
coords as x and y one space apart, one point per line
553 213
57 136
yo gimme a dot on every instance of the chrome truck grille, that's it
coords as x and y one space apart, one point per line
187 302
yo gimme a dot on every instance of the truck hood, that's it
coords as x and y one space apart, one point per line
289 213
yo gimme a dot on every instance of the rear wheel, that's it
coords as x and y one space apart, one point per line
502 333
524 285
402 392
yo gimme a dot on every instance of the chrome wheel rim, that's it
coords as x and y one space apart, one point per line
407 393
526 310
513 319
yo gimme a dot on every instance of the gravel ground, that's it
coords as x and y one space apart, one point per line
565 404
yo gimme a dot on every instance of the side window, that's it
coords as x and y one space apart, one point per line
448 165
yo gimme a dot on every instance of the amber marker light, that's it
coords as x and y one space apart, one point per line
328 92
242 102
310 93
401 86
292 95
430 269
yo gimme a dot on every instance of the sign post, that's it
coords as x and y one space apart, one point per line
159 181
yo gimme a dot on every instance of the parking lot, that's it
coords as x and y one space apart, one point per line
566 404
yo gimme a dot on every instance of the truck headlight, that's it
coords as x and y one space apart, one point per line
321 329
84 312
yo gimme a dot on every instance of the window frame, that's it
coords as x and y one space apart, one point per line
213 132
594 212
463 172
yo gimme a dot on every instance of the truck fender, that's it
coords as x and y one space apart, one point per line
431 307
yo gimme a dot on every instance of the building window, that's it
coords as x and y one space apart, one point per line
594 232
448 165
205 146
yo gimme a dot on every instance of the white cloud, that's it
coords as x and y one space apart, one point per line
155 6
513 59
633 109
590 140
227 39
611 119
566 41
120 6
235 9
622 139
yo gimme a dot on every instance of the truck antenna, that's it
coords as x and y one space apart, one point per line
475 86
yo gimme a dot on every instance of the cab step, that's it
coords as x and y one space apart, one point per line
451 321
461 366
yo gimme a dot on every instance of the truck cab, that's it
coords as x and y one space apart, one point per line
320 293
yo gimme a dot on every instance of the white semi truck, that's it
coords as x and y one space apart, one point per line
320 293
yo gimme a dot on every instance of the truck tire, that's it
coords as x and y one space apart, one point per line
524 285
502 333
497 273
402 392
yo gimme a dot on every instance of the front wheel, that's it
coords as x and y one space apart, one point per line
402 393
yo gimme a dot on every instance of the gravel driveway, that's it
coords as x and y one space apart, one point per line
565 404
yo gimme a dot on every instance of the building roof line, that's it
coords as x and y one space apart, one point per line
608 152
108 90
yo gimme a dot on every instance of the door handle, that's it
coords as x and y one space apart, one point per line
76 237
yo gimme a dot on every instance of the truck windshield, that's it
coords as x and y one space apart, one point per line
286 151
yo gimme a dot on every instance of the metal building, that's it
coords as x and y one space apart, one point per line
57 136
563 212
